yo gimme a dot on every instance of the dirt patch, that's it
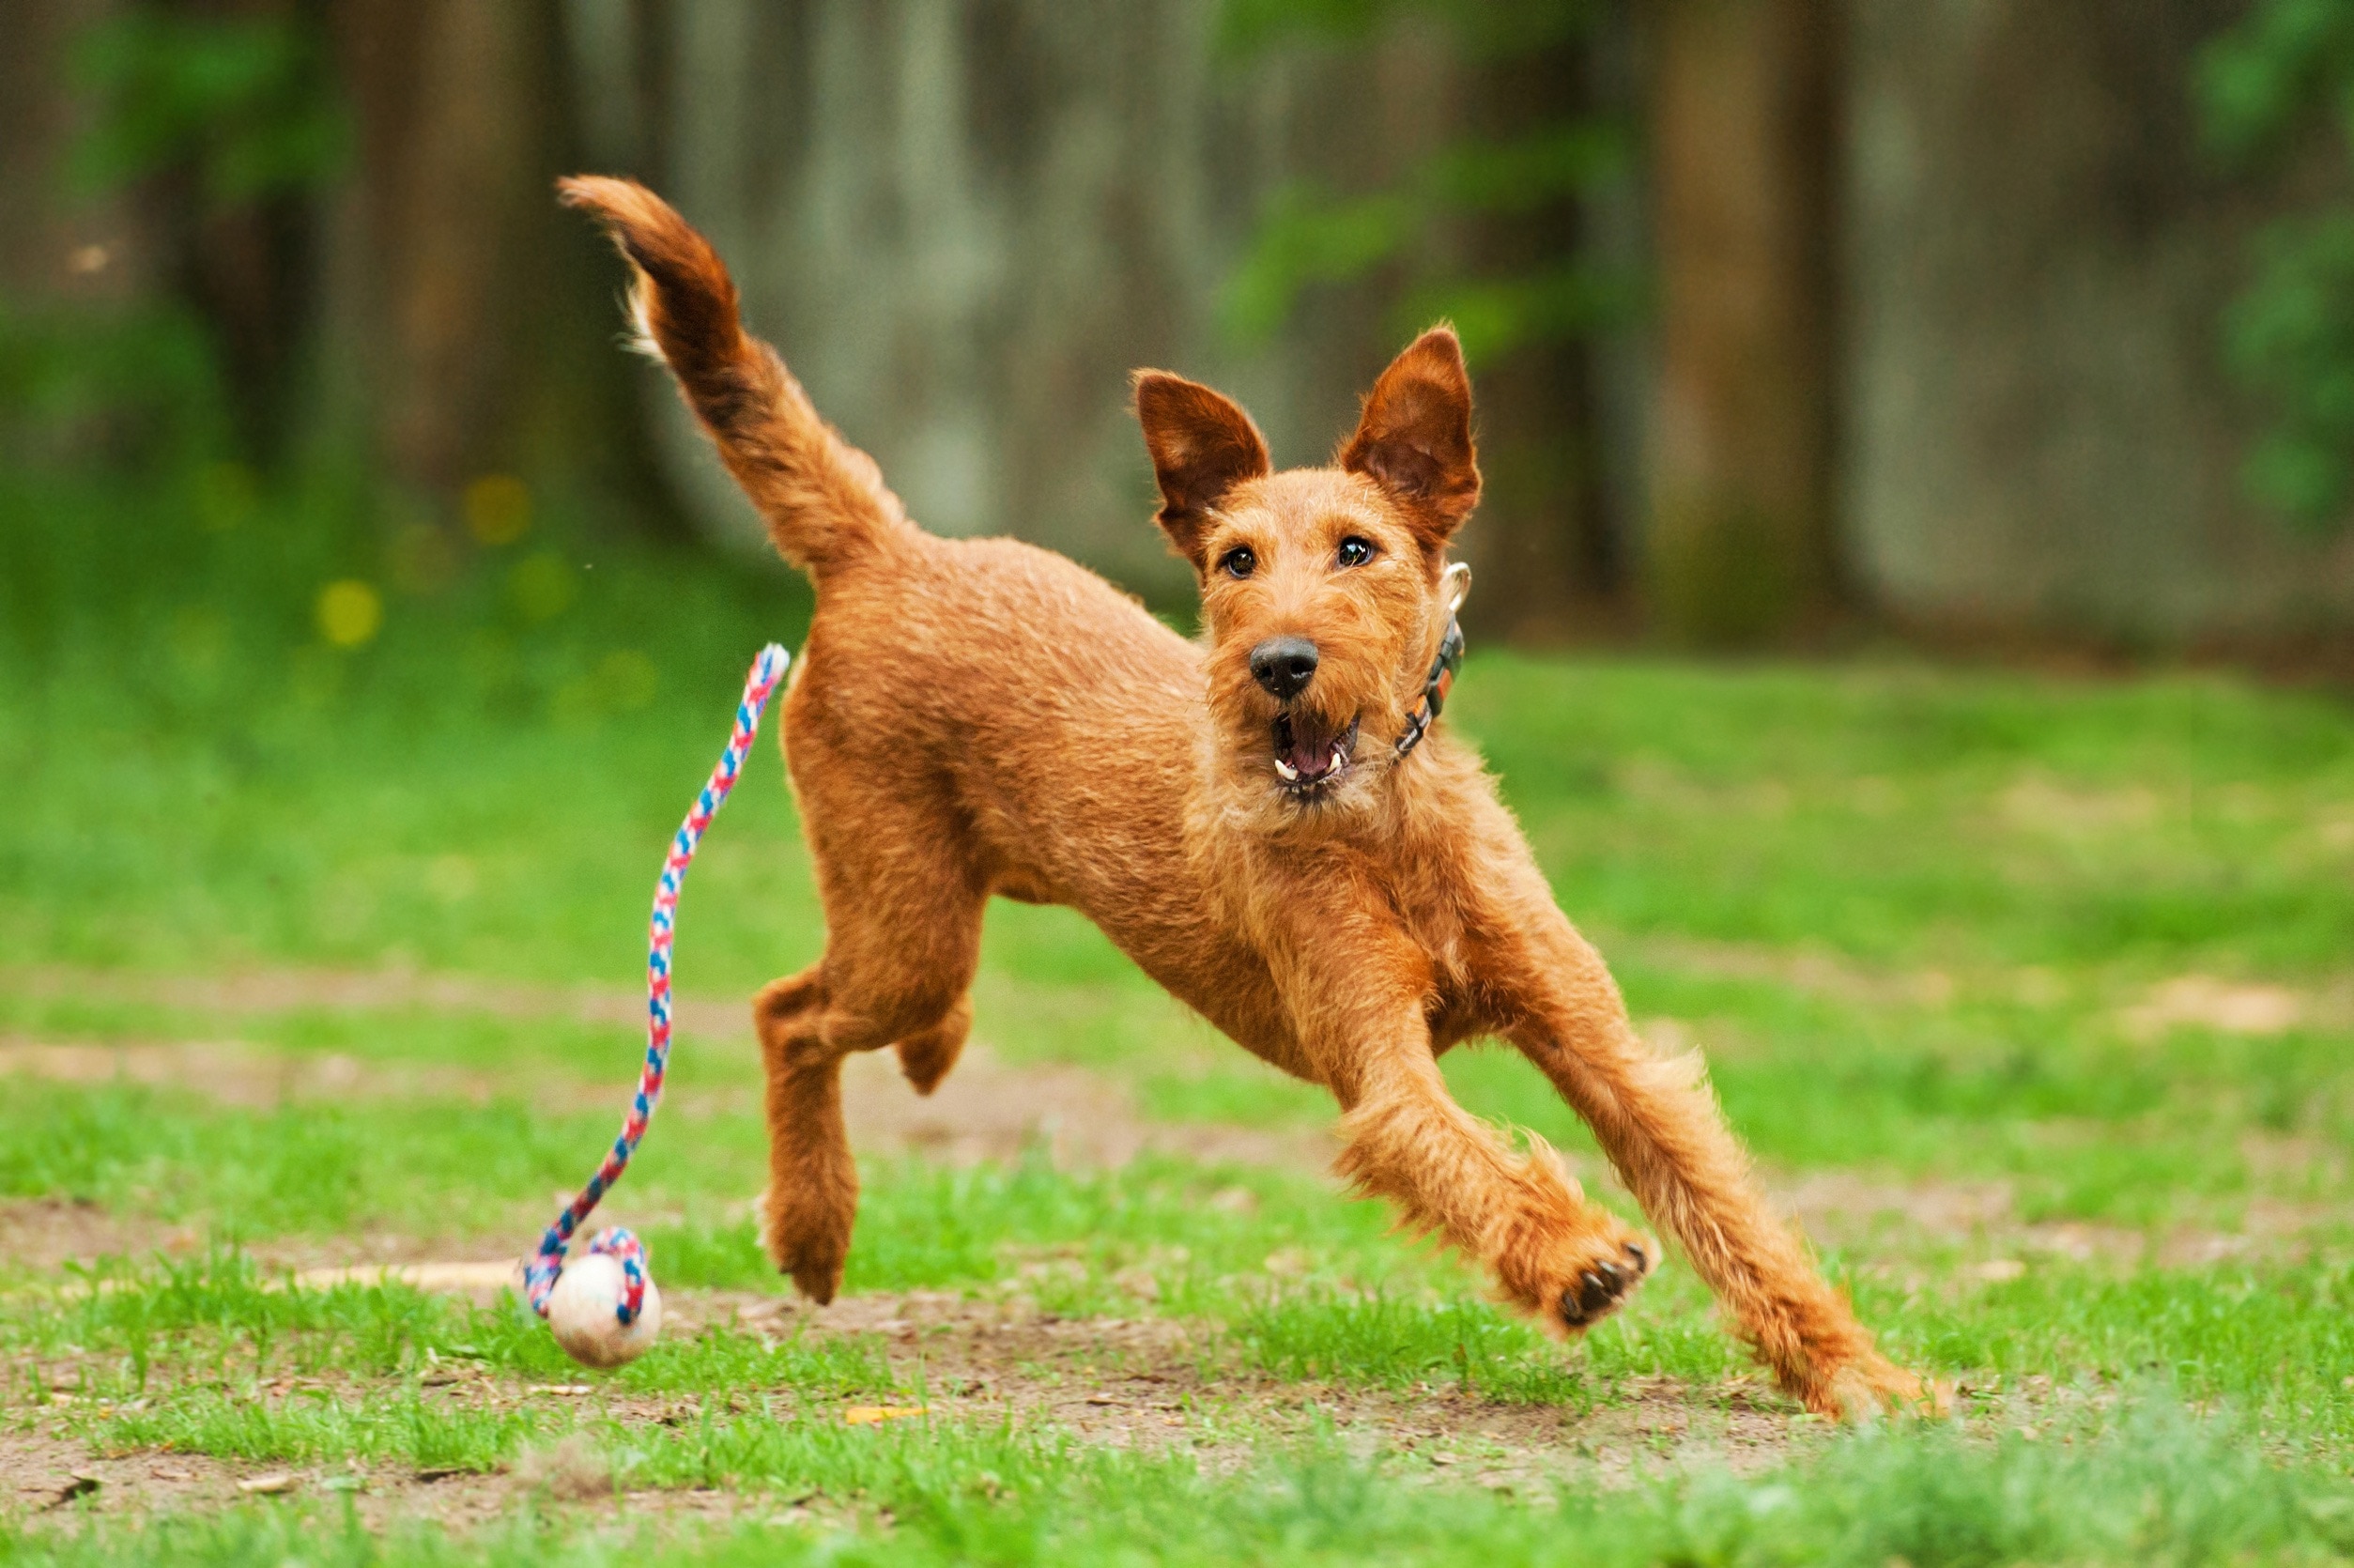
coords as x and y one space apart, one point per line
1810 972
1837 1206
987 1109
2227 1008
1886 1226
265 991
2249 1007
1146 1384
991 1109
238 1073
1159 1384
1897 1220
42 1234
47 1475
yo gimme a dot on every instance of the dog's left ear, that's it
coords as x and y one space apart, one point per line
1202 444
1414 438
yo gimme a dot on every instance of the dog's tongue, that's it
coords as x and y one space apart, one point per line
1310 754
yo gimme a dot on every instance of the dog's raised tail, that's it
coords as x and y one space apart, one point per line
824 499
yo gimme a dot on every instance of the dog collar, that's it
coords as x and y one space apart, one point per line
1442 669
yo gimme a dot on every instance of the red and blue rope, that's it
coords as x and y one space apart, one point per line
539 1278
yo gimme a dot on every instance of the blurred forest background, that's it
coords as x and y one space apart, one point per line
2021 319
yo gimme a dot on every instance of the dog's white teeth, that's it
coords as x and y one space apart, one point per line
1286 771
1340 752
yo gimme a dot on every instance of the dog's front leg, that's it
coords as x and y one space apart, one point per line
1357 991
1664 1133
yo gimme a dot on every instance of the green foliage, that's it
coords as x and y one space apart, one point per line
2260 83
1311 236
2292 334
2266 87
1486 27
137 391
245 102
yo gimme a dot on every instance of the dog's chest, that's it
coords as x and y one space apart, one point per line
1437 928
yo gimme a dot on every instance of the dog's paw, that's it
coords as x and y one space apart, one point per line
1582 1271
1604 1281
1873 1387
807 1243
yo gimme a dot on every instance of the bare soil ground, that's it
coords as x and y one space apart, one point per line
1138 1383
2201 1001
987 1109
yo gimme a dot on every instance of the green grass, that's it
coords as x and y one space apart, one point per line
2120 1469
2162 1487
1913 915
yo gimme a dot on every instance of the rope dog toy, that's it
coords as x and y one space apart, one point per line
605 1310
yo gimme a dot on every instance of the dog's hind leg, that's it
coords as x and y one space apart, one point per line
812 1193
1662 1129
902 939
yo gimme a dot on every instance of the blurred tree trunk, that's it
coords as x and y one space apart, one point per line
477 321
1546 548
1742 122
2041 253
248 268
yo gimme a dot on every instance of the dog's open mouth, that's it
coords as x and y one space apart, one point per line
1309 755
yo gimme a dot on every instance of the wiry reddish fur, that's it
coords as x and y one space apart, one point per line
973 717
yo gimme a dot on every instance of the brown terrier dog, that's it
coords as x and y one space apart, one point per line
1254 818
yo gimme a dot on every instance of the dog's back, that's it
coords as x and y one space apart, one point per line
985 683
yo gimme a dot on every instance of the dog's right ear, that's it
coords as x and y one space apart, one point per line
1202 446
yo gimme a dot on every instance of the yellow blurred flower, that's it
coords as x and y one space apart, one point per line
497 509
350 612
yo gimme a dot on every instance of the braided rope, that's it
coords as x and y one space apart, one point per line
539 1278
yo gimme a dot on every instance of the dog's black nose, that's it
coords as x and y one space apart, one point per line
1283 665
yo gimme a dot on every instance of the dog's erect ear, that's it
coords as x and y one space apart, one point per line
1414 438
1202 447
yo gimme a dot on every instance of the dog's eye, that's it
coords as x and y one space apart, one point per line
1238 562
1355 551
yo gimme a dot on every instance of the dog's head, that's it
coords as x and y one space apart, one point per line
1321 587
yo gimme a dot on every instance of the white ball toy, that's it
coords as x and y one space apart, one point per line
584 1312
582 1299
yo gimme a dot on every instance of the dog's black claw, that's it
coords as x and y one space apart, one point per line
1602 1287
1642 1259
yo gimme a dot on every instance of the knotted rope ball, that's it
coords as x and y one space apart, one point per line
604 1308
